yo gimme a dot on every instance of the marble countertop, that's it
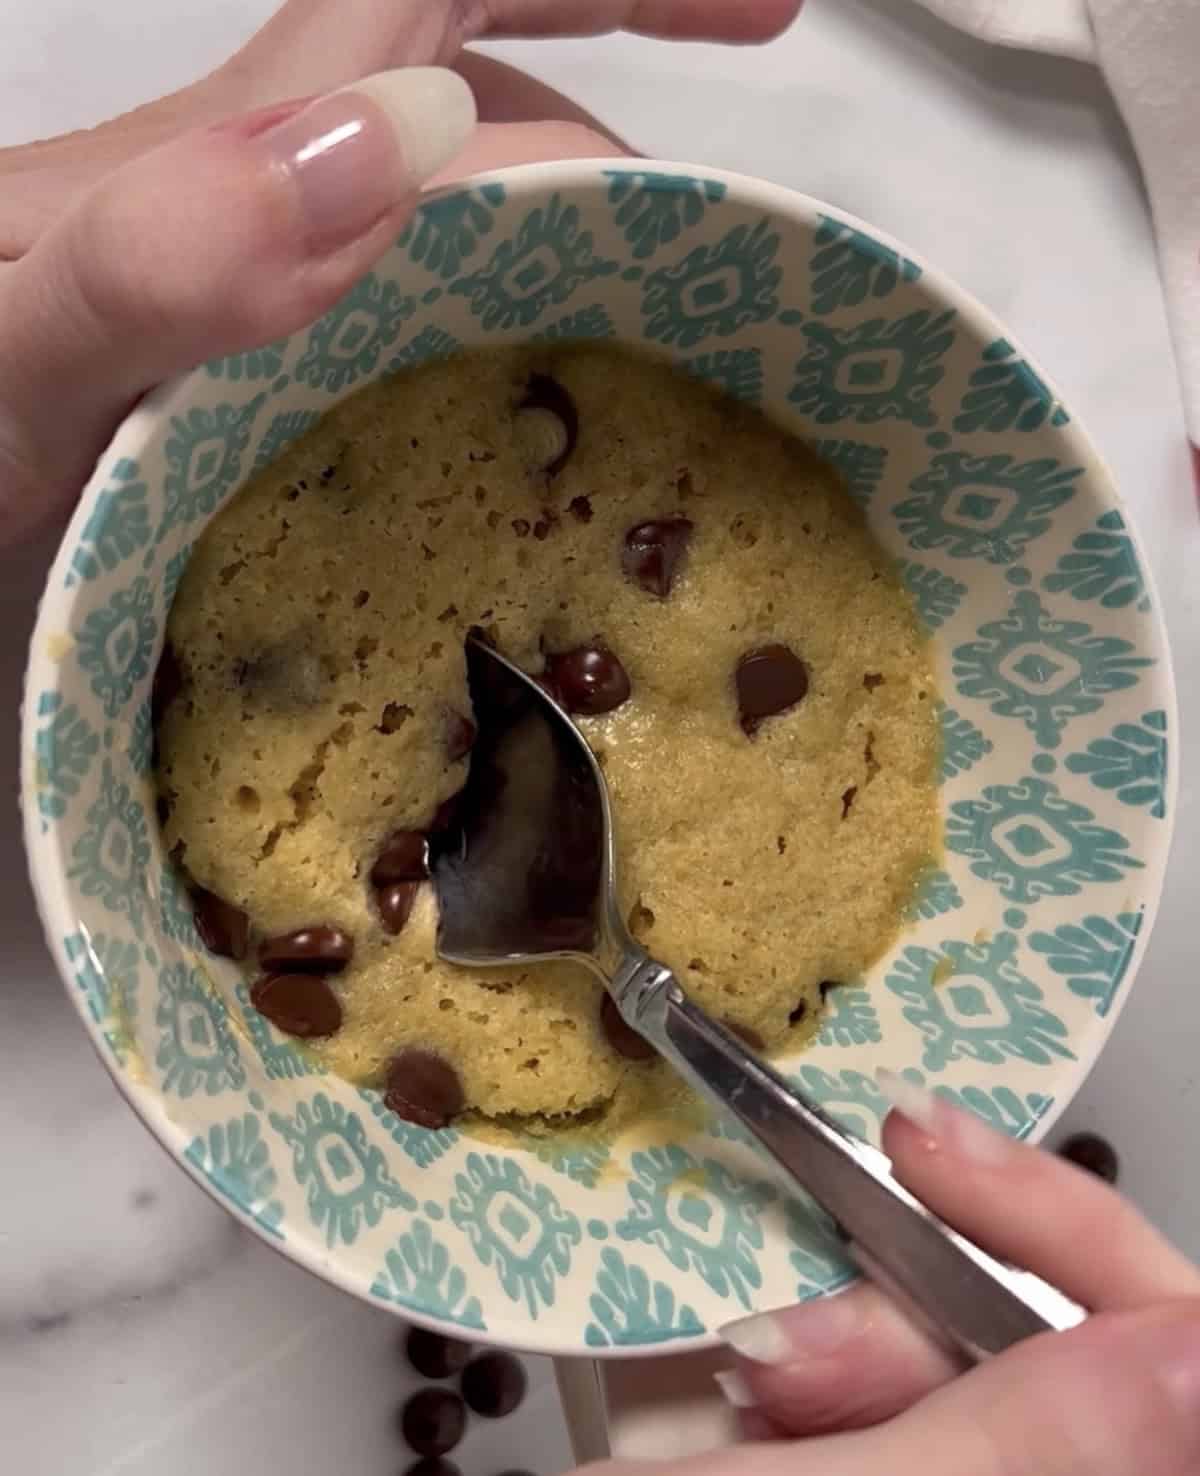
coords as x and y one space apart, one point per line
141 1331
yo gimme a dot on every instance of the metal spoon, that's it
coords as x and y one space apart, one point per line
527 874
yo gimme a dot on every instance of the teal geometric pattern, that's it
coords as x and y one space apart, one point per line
517 1226
936 596
589 322
109 858
279 435
653 209
1103 566
446 232
196 1048
1032 842
1022 930
105 971
984 507
1132 762
715 290
713 1229
1042 670
1005 394
970 1001
550 256
259 363
848 267
850 1019
347 1186
629 1310
118 527
963 745
429 344
738 372
115 645
860 466
281 1061
349 341
418 1275
65 748
235 1159
1093 957
204 460
935 895
880 370
421 1145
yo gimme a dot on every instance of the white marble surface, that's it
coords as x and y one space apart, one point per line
140 1330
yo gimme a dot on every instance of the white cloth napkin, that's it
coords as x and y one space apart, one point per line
1149 52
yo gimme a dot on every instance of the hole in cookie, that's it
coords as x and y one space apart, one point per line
872 679
247 799
641 919
781 844
393 717
361 598
848 796
742 533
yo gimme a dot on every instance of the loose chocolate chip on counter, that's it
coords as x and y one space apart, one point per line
224 929
461 734
747 1034
404 857
623 1038
654 551
589 680
1094 1153
494 1384
435 1356
433 1421
422 1088
769 681
299 1004
550 420
395 904
316 950
433 1466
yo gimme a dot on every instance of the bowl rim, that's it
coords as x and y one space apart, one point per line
46 864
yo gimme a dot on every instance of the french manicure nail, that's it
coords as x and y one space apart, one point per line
355 154
817 1329
958 1130
735 1389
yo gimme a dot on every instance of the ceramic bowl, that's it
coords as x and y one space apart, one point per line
1057 716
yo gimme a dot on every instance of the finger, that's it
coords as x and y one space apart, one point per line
505 94
691 20
217 242
836 1363
1033 1209
497 145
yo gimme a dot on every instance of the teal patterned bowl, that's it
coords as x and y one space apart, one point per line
1058 783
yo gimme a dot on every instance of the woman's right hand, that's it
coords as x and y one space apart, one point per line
848 1386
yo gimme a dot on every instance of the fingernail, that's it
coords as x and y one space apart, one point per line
735 1389
952 1128
816 1329
352 156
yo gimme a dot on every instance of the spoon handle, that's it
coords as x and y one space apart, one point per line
977 1303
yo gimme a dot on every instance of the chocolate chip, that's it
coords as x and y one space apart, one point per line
224 929
588 680
623 1038
422 1088
300 1004
653 553
549 410
769 681
395 904
435 1356
1095 1154
316 950
494 1384
433 1421
581 508
404 857
461 733
433 1466
748 1034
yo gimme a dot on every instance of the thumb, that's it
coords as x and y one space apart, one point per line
1119 1395
219 241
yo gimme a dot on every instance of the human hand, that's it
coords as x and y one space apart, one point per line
864 1391
237 210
